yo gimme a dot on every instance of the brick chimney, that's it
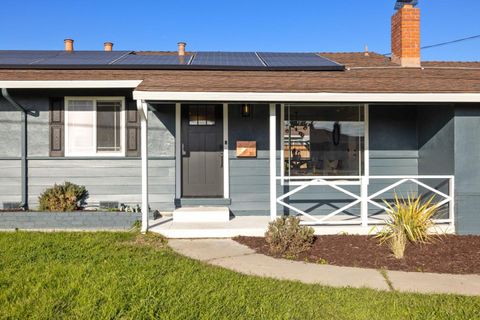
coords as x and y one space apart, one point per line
68 45
107 46
406 35
181 48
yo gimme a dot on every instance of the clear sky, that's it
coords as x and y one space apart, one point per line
241 25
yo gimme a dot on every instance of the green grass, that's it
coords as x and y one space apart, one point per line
109 275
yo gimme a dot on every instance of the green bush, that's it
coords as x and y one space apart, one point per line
63 197
408 219
286 237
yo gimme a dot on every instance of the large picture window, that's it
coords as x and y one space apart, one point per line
323 140
94 126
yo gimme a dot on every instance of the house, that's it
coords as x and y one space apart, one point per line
326 136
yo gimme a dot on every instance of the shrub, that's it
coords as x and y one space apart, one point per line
408 220
63 197
286 237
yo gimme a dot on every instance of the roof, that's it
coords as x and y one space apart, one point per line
363 74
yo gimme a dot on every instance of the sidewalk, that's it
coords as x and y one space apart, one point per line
231 255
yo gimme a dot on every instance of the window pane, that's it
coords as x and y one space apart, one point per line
324 140
202 115
210 115
193 115
108 126
80 127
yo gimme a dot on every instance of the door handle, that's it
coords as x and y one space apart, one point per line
221 159
183 150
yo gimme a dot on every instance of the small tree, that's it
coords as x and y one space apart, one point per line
63 197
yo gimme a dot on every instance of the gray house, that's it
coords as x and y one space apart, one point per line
211 135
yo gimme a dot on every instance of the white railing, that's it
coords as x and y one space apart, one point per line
365 198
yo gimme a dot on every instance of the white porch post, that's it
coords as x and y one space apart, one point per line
273 162
143 110
365 180
178 150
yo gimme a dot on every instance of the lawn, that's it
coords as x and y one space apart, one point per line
125 275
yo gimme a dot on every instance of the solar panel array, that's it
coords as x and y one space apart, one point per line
199 60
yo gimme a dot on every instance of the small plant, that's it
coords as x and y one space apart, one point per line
408 220
286 237
322 261
63 197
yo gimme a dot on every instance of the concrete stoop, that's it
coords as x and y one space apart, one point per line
201 214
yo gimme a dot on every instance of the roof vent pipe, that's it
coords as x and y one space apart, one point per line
108 46
181 48
68 45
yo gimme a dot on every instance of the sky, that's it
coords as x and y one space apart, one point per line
241 25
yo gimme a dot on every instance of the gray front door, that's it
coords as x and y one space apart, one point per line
202 150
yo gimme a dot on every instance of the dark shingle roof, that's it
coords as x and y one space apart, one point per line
374 73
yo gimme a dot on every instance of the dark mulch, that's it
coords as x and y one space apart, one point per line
447 254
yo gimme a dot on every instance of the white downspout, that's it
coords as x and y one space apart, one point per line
142 108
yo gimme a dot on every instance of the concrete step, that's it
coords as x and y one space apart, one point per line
201 214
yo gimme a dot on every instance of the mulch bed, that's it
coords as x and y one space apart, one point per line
447 254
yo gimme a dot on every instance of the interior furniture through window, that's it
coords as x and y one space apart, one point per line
323 140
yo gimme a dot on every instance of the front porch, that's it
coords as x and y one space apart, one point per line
385 149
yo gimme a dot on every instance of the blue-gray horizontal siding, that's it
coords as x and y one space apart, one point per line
105 180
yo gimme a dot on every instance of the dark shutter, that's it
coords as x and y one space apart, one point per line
132 129
57 125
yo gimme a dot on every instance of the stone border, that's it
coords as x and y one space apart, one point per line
232 255
75 221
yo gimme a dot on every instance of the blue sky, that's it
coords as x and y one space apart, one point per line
241 25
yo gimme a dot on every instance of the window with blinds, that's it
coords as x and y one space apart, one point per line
94 126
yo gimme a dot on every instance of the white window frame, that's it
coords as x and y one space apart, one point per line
94 152
300 180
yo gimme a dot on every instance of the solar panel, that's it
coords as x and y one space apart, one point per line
136 59
298 60
227 59
24 56
82 58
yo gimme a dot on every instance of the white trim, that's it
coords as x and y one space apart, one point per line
94 152
273 162
178 150
226 156
282 142
307 97
54 84
366 165
141 105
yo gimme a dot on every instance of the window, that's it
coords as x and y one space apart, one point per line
323 140
201 115
94 126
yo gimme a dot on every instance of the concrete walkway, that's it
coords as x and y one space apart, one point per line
231 255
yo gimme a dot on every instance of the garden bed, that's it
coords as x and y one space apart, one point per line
447 254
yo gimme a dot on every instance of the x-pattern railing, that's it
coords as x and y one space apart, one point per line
363 198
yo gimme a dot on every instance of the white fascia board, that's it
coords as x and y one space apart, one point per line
69 84
306 97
